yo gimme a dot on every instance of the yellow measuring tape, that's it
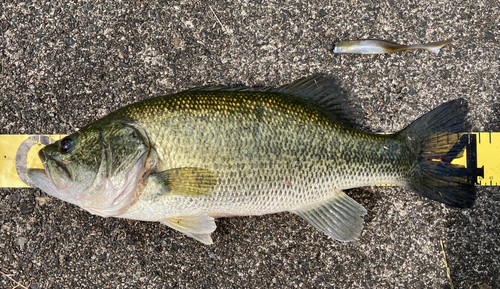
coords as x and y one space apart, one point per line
19 152
481 156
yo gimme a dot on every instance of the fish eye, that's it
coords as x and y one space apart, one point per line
66 145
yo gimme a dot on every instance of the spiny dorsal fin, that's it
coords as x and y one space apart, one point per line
326 92
212 88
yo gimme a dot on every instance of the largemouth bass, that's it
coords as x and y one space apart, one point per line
375 46
187 158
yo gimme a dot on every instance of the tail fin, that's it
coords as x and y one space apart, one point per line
431 46
433 176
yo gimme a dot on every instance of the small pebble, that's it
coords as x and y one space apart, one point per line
21 241
489 35
69 41
15 198
26 209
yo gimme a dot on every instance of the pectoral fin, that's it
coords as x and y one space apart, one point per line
190 182
198 226
340 217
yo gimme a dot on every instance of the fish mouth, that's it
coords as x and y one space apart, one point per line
53 178
38 179
36 176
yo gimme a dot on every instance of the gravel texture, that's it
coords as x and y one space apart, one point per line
64 64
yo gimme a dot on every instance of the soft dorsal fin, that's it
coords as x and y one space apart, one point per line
329 94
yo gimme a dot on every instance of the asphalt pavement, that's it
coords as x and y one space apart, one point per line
64 64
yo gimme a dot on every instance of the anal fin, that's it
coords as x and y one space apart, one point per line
339 217
198 227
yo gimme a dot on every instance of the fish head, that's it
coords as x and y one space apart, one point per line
98 168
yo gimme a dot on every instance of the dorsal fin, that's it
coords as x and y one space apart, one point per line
326 92
329 94
223 88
